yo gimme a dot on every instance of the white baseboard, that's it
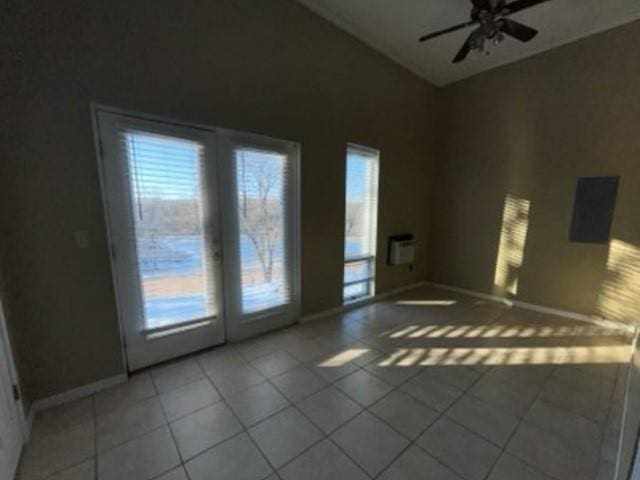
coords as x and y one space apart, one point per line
74 394
360 303
602 322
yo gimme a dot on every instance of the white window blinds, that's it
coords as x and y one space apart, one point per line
168 207
263 187
361 219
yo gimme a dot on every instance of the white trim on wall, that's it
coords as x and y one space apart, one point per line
74 394
13 372
94 109
95 387
634 469
602 322
360 303
485 296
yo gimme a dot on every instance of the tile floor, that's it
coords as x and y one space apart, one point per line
426 385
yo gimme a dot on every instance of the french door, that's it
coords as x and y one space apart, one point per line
202 223
261 232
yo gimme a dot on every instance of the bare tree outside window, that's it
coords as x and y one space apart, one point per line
353 219
260 208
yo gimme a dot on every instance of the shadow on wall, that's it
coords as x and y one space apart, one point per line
513 238
619 299
619 296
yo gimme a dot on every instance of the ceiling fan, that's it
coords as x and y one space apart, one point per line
493 24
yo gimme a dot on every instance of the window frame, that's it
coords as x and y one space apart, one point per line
371 257
239 323
142 346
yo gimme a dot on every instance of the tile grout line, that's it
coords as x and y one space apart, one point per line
522 420
608 421
395 388
93 457
464 391
245 430
94 421
290 405
440 415
578 414
346 454
444 412
326 436
182 461
503 449
95 437
168 425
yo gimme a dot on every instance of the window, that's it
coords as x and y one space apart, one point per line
262 179
168 201
361 218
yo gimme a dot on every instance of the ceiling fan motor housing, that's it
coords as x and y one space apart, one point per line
491 18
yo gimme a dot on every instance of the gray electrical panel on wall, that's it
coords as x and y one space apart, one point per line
593 209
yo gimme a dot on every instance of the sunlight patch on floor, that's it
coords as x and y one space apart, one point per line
427 303
408 357
484 355
344 357
486 331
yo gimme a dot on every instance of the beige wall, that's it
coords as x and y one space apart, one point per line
270 66
265 66
529 130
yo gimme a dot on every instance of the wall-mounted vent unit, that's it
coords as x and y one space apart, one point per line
401 249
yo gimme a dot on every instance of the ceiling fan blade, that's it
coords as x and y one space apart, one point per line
520 5
464 51
481 4
489 5
499 5
460 26
517 30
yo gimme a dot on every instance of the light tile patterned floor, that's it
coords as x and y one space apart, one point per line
427 385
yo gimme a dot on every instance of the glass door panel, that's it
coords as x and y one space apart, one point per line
168 202
260 232
261 201
159 181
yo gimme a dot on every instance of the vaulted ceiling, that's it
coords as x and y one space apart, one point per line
394 26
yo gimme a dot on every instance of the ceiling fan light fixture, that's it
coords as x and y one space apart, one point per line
492 23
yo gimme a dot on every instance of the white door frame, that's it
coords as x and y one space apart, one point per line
241 326
246 329
147 348
13 374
